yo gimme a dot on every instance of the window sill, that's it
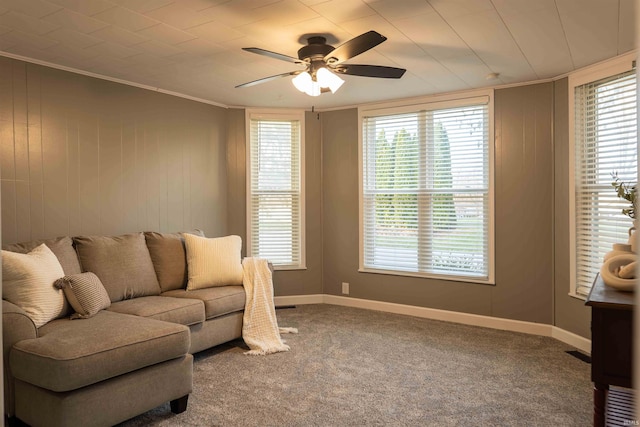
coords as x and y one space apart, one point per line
577 296
289 268
466 279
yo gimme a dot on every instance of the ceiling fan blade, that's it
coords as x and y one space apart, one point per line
354 47
273 55
268 79
371 71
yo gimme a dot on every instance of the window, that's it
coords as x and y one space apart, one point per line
426 196
275 196
605 143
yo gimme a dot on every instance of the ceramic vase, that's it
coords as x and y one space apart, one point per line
618 249
619 266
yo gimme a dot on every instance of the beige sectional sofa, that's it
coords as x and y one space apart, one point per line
126 359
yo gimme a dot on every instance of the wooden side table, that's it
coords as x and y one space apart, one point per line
611 344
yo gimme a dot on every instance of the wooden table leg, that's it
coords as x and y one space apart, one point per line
599 403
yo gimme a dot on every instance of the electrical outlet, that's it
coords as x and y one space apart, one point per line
345 288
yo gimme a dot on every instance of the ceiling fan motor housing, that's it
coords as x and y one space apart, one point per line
317 48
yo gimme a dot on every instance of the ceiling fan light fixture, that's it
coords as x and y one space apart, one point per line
304 83
328 79
313 86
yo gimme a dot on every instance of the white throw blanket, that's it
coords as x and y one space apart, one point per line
260 327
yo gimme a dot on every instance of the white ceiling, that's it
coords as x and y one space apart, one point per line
193 47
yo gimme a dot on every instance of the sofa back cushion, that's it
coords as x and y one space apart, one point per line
122 263
169 258
62 247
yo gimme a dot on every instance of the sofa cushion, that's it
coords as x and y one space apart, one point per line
218 301
169 258
122 263
62 247
27 281
213 262
71 354
85 293
176 310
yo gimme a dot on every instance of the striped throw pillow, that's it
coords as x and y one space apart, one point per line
86 294
27 281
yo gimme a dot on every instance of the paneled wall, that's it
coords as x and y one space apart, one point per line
524 203
81 155
523 209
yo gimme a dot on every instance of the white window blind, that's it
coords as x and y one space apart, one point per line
425 192
275 187
605 143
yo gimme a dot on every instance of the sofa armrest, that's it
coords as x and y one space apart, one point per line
16 326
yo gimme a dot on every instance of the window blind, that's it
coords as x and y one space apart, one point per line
425 192
275 199
605 143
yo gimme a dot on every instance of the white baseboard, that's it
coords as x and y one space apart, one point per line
581 343
540 329
299 299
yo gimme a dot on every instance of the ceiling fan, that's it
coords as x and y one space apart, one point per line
323 63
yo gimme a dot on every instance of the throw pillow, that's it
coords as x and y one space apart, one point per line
214 261
86 294
27 281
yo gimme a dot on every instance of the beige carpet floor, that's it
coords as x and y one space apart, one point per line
353 367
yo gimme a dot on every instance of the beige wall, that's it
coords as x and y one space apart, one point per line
292 282
87 156
523 212
524 195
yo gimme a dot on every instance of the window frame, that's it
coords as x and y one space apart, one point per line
469 98
277 114
587 75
